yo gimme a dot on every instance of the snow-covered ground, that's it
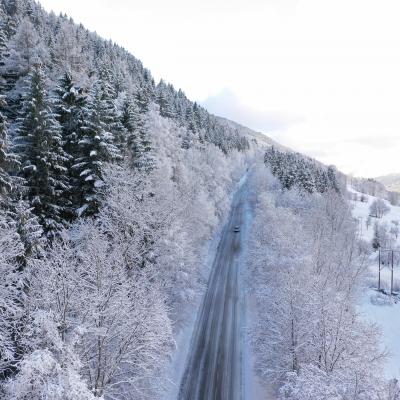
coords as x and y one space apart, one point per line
379 308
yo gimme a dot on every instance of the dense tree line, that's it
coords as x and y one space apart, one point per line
374 188
295 169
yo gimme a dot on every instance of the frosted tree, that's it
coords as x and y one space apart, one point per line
311 342
11 249
144 156
166 110
51 369
110 114
95 317
3 41
394 230
67 51
26 49
8 162
378 208
29 229
368 222
70 104
123 321
143 100
134 124
96 146
381 238
39 145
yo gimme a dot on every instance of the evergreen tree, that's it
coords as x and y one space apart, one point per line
332 179
138 141
96 146
376 242
3 42
70 105
296 169
11 10
29 230
187 140
110 113
43 159
134 124
166 110
142 100
144 159
4 53
7 161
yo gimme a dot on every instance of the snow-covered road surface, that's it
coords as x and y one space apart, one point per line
213 370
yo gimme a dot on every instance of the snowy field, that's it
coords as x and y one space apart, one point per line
381 309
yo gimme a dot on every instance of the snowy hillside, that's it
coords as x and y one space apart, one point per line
391 181
381 309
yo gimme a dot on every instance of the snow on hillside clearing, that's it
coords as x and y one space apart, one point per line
379 308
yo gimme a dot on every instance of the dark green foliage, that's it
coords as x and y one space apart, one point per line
8 162
134 123
69 107
376 243
294 169
70 104
29 229
205 127
96 146
39 145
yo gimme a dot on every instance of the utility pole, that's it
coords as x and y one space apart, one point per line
390 263
391 279
379 269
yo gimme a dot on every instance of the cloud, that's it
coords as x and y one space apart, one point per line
376 142
227 104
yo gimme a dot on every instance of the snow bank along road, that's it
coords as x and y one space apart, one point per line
213 370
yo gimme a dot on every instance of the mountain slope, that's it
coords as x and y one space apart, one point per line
391 181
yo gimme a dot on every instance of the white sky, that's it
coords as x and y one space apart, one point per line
320 76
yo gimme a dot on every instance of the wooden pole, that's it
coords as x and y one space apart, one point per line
391 281
379 269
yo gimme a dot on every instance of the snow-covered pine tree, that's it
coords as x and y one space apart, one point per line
112 120
96 146
10 250
142 100
164 102
332 179
39 145
29 230
70 103
7 161
3 39
133 122
26 49
190 119
144 152
11 10
4 53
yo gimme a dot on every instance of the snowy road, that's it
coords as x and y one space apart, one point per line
213 369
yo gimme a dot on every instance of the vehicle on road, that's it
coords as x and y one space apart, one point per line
236 229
